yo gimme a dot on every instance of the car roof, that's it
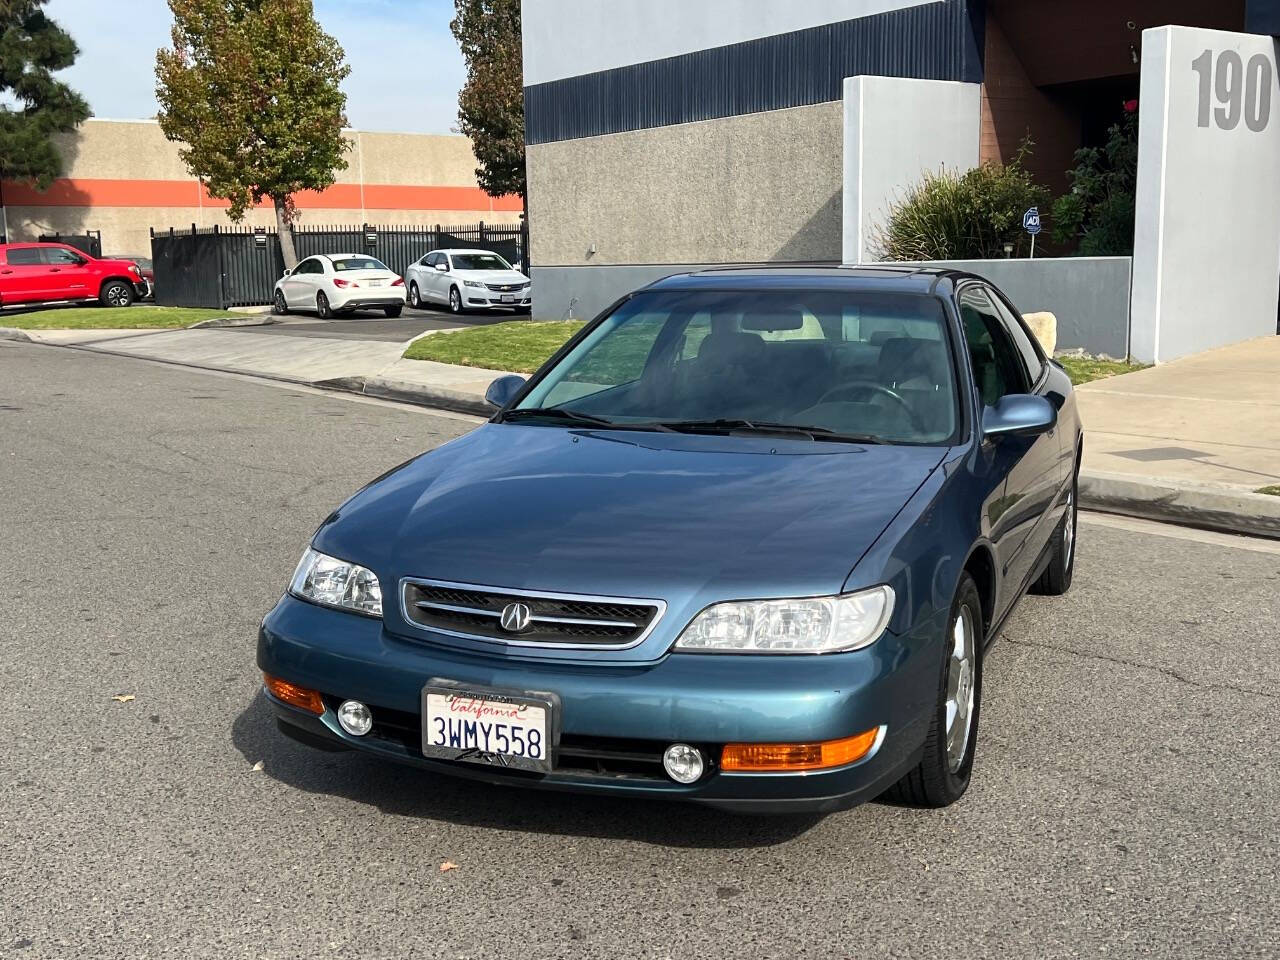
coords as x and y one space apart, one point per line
879 278
466 250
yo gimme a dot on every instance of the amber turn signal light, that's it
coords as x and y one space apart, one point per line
294 695
773 757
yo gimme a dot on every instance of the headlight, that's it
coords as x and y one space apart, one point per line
336 583
808 625
133 267
473 283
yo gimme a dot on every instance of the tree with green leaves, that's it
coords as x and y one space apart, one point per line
491 104
251 89
32 49
1098 213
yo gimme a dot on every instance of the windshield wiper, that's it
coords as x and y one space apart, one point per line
739 425
573 416
555 413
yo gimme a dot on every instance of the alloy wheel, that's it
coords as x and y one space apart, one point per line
415 300
455 300
961 687
281 306
118 295
322 306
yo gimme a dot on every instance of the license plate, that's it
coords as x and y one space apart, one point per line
508 298
486 726
375 283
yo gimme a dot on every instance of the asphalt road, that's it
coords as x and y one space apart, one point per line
1124 804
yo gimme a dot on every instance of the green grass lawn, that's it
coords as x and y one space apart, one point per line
1087 369
107 318
1273 490
517 345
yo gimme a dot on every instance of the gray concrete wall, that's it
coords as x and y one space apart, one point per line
566 38
758 187
1089 295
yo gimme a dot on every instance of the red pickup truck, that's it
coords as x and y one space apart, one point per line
49 272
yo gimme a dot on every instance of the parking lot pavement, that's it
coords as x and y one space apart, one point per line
369 325
1124 802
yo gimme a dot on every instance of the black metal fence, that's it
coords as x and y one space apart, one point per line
89 242
222 267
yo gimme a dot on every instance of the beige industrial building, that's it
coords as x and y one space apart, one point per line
122 177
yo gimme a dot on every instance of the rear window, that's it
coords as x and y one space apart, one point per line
358 263
25 256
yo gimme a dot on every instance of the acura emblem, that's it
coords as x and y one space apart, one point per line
516 617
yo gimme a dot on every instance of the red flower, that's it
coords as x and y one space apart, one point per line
1131 106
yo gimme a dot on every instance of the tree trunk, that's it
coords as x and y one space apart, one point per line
285 232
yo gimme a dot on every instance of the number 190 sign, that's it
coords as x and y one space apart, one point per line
1242 90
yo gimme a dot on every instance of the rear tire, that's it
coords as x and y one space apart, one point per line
116 293
942 775
323 311
1056 579
392 312
279 306
455 300
415 298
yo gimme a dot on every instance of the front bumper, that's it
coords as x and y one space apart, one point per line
493 298
141 288
706 700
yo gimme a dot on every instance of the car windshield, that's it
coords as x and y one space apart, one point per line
843 364
479 261
358 263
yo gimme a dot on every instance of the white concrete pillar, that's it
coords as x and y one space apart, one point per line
1206 260
895 129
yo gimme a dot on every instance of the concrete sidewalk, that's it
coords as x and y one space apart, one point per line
372 367
1188 441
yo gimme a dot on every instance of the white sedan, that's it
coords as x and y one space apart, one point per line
333 283
467 279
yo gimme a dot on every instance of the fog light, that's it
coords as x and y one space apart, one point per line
683 763
355 718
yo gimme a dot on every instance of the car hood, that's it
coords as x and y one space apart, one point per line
491 276
682 518
115 263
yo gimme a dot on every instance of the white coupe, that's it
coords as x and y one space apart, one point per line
332 283
467 279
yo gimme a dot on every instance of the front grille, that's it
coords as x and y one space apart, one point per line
505 287
554 619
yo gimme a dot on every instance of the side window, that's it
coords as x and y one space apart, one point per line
58 257
997 366
25 256
430 260
1030 351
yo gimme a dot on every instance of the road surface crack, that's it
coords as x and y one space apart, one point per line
1121 661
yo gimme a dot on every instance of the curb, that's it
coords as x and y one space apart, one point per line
245 321
1224 509
404 392
13 333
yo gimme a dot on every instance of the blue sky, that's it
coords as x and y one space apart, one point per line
405 66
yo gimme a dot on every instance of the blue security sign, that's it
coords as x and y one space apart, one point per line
1031 221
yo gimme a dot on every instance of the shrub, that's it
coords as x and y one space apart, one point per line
963 216
1098 212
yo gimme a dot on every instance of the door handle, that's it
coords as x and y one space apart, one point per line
6 271
55 269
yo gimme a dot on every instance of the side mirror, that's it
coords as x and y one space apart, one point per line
442 267
1019 415
287 272
503 389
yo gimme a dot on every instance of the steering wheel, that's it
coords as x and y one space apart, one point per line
854 387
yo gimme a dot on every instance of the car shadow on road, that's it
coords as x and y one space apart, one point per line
410 792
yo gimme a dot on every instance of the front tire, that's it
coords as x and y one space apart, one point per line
415 298
392 312
1056 579
116 293
279 306
455 300
323 310
942 775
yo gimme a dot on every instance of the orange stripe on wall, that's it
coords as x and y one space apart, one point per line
75 192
